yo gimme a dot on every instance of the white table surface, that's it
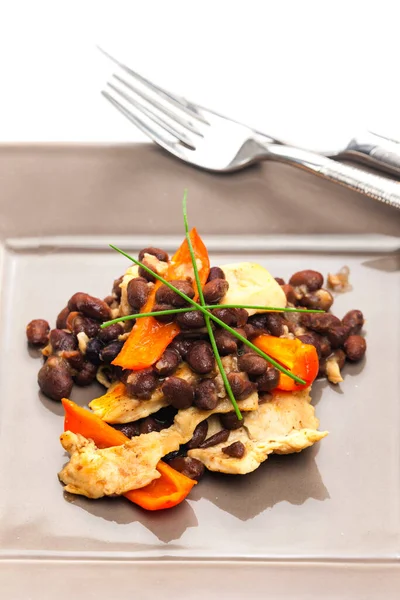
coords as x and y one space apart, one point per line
304 70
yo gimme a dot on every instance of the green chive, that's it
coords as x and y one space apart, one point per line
175 311
206 317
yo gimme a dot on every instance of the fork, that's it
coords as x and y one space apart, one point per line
206 139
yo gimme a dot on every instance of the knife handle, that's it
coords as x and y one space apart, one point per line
377 150
377 187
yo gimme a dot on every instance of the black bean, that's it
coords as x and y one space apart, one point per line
93 349
55 379
138 292
241 386
181 345
178 392
61 322
89 306
61 340
141 384
206 397
290 293
215 273
319 322
226 342
86 375
253 332
318 300
148 425
259 321
110 300
200 357
280 280
168 362
337 335
111 351
74 358
110 333
230 421
312 339
80 323
275 324
217 438
164 294
180 452
215 290
129 429
157 252
355 347
166 415
37 332
355 320
313 280
253 364
235 450
325 346
145 274
199 435
191 467
269 380
235 317
163 318
340 358
116 290
190 320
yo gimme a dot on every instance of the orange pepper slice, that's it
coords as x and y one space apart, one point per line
149 338
165 492
301 359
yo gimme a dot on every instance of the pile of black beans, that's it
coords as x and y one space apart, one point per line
65 364
329 334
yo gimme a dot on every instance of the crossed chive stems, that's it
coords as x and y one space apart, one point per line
208 316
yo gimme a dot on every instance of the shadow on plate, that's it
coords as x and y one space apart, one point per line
165 525
292 478
317 390
81 396
389 264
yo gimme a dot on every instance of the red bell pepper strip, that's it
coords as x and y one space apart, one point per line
149 338
165 492
301 359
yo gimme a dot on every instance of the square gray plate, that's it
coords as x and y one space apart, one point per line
324 523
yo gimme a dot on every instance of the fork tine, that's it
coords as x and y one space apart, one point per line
154 117
181 103
163 109
151 133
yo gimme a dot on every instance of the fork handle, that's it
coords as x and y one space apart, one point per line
381 152
374 186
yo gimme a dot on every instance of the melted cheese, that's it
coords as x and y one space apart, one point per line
250 283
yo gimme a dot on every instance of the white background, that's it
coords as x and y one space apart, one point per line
302 70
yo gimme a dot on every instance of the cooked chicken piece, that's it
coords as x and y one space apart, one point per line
333 370
250 283
94 472
117 407
283 425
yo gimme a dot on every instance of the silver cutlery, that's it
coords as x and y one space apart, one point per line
208 140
